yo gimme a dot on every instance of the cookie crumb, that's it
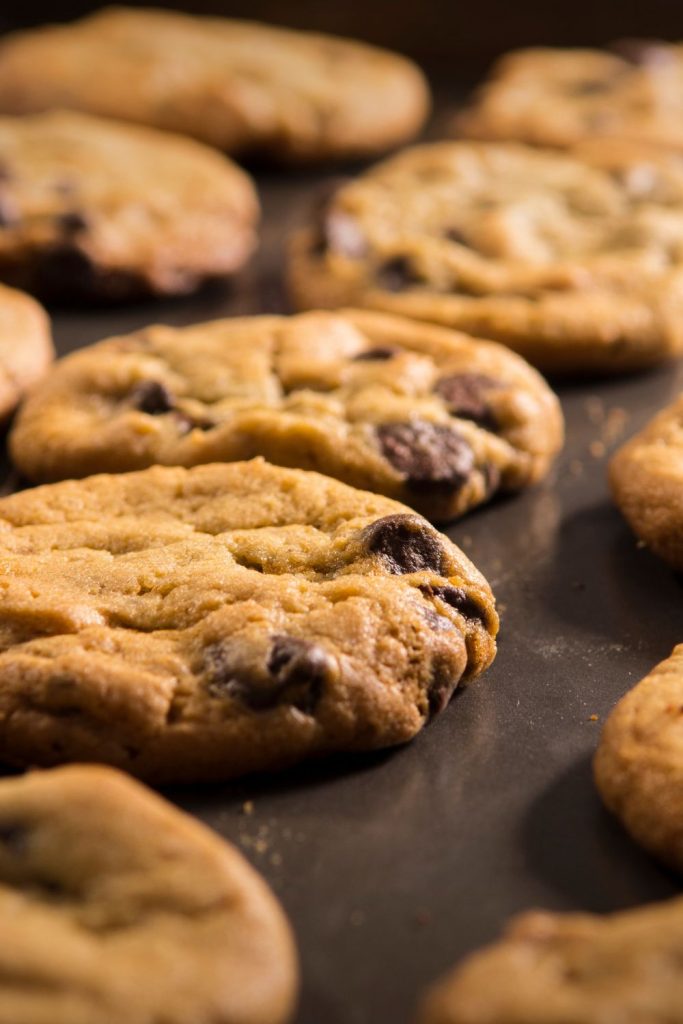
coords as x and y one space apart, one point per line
248 808
593 718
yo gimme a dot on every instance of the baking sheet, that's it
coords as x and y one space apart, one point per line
392 866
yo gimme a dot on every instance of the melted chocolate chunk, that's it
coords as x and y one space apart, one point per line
152 397
465 395
380 354
642 52
406 543
397 274
459 599
427 454
72 222
440 690
294 674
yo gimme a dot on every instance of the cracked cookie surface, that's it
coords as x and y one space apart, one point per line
646 479
94 209
573 260
26 349
579 968
115 906
236 85
554 97
419 413
639 761
204 623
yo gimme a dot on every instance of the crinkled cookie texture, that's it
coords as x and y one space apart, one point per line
236 85
204 623
26 349
416 412
115 906
646 478
94 209
560 97
639 761
571 969
575 261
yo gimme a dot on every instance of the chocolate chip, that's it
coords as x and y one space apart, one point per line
13 836
397 274
152 397
435 621
459 599
380 354
427 454
72 222
186 422
643 52
300 669
455 235
465 396
294 674
406 543
440 691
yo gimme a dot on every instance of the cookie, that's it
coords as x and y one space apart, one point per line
419 413
236 85
204 623
579 968
92 209
26 349
575 261
551 97
115 906
639 761
646 479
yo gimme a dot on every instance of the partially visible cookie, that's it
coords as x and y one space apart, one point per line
115 906
639 761
571 969
553 97
416 412
236 85
646 478
573 260
26 348
96 209
205 623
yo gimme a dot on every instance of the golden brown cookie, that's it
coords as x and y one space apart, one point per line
237 85
204 623
554 97
94 209
639 762
26 349
115 906
575 261
646 478
422 414
571 969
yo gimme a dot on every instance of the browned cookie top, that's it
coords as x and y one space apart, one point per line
203 623
553 97
115 906
416 412
98 209
234 84
574 260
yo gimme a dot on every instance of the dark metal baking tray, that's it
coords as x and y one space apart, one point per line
392 866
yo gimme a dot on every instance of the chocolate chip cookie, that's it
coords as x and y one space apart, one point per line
92 209
419 413
237 85
646 478
575 261
115 906
552 97
26 348
203 623
579 968
639 762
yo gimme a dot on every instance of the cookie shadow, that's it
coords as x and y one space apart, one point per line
577 848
